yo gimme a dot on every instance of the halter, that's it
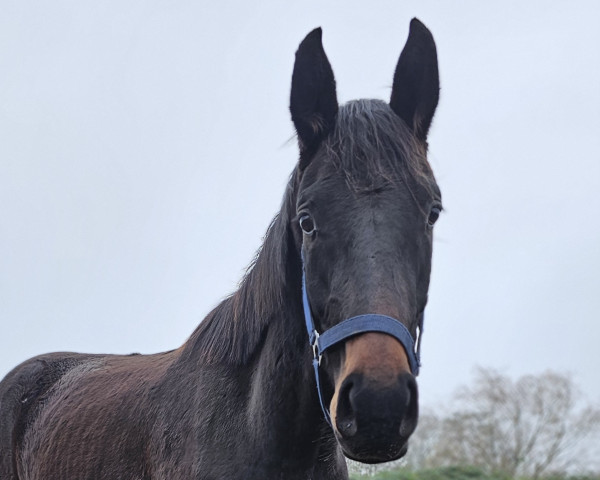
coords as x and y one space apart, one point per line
371 322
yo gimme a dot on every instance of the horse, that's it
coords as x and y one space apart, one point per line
312 359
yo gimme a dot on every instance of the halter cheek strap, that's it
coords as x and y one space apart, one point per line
353 326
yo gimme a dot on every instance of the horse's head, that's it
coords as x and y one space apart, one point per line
366 202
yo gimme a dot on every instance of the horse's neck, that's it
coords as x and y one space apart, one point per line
247 369
282 388
269 399
253 350
283 400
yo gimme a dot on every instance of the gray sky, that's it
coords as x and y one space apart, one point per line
145 146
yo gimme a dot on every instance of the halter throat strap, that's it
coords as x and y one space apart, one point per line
371 322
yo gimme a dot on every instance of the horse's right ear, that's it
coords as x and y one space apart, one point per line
313 101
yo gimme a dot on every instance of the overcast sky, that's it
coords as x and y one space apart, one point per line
145 147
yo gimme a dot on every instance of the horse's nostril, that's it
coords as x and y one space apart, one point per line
344 402
345 418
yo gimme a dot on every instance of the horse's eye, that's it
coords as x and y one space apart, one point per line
307 224
434 214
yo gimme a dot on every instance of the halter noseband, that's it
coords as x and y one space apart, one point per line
371 322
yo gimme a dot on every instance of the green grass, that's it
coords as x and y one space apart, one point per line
455 473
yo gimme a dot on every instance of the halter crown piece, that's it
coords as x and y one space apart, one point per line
371 322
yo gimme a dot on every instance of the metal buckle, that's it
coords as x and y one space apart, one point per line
315 347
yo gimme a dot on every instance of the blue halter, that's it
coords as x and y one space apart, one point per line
353 326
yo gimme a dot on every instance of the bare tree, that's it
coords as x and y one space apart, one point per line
528 427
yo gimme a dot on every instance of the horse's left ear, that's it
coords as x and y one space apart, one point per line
416 89
313 101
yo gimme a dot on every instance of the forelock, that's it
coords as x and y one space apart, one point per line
372 146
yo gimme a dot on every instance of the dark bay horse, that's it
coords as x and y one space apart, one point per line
349 250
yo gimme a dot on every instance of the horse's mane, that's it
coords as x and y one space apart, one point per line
370 145
231 332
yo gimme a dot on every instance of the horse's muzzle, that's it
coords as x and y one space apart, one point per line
373 423
372 419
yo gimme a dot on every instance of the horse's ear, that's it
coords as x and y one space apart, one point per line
416 89
313 101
